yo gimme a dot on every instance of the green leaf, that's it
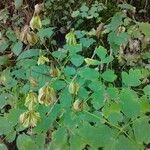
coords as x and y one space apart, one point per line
89 73
4 59
147 90
73 49
3 101
60 54
58 84
3 45
17 48
3 147
101 52
116 21
84 8
112 93
122 143
77 60
141 130
45 33
69 71
145 28
5 126
75 14
129 103
25 142
59 140
87 42
133 78
102 134
109 76
28 54
18 3
76 142
98 99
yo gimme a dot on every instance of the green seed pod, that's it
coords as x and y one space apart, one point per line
47 96
74 88
35 22
78 105
42 60
29 118
71 38
54 71
31 100
90 61
32 38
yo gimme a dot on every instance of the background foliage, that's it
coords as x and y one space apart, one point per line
74 75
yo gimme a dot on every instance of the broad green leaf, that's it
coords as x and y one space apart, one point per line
109 76
60 54
141 130
28 54
89 73
76 142
69 71
5 126
75 13
4 59
66 99
73 49
122 143
3 101
17 48
58 84
102 134
112 93
98 99
25 142
129 103
133 78
147 90
3 147
59 140
116 21
77 60
96 86
87 42
45 33
47 120
101 52
3 45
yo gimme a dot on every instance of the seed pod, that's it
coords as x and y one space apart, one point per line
42 60
38 8
23 34
31 100
71 38
78 105
33 82
90 61
32 38
29 118
47 95
54 71
74 88
35 22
